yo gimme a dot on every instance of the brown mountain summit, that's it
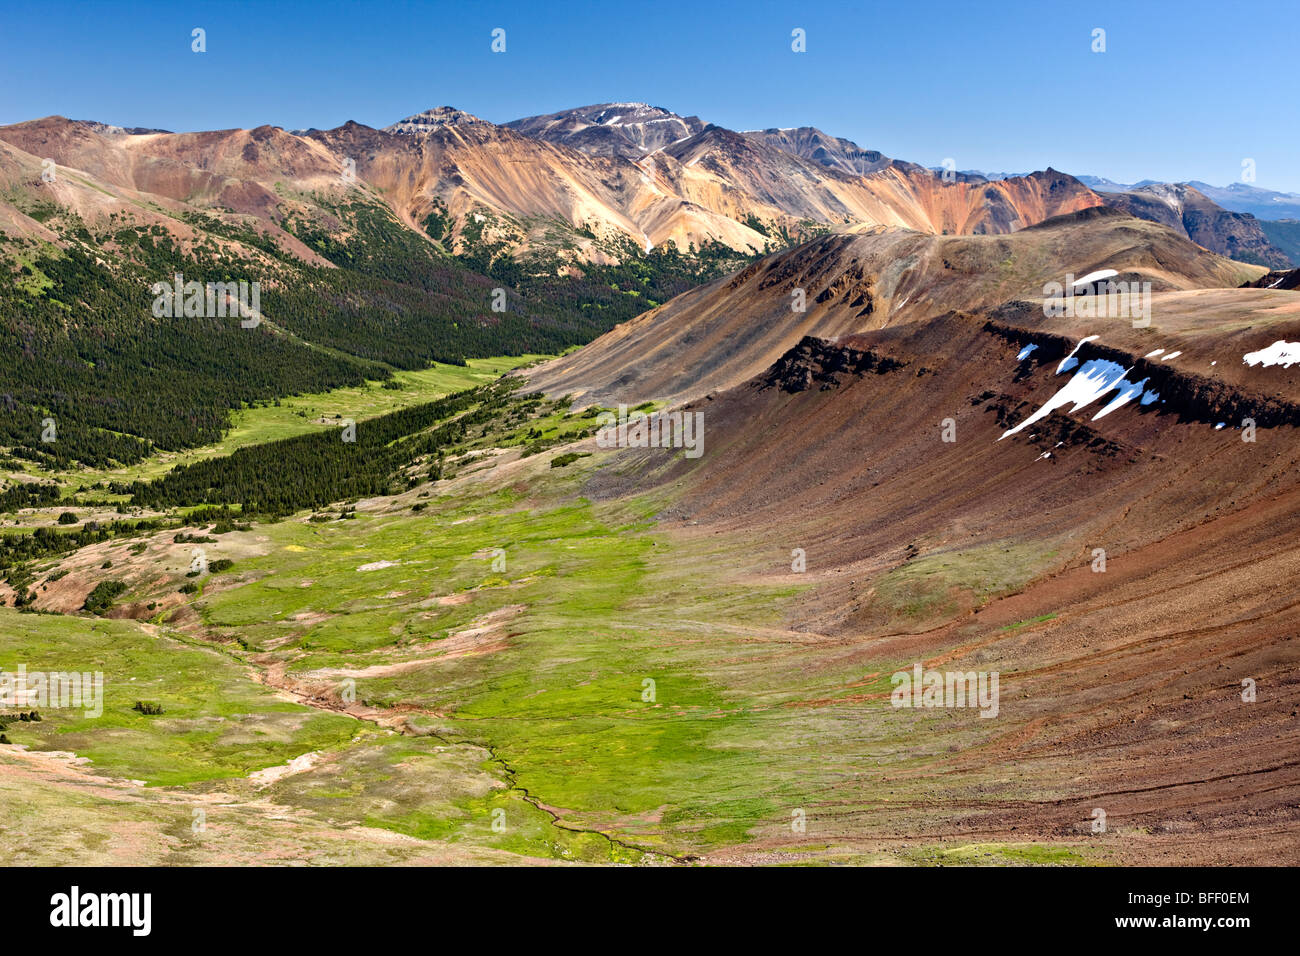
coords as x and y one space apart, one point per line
579 183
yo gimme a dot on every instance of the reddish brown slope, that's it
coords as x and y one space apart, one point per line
1120 690
232 168
722 334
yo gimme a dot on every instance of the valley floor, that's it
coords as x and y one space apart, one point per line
520 663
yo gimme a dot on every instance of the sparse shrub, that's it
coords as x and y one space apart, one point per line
101 598
568 458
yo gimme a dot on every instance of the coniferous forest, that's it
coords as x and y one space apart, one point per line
93 376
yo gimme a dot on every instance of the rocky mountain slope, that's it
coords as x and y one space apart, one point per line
832 152
580 186
628 130
1104 513
722 334
1186 209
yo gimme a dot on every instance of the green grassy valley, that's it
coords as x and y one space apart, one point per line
489 661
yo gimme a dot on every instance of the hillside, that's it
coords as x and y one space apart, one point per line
628 130
422 619
1169 450
832 152
347 290
1186 209
1285 235
722 334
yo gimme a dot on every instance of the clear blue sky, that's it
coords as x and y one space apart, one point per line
1186 89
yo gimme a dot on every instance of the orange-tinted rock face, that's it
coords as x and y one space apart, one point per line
709 185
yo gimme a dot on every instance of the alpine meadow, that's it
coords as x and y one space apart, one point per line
615 486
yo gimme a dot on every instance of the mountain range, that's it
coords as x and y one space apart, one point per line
575 186
468 605
1266 204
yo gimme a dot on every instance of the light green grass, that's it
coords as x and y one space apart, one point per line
1001 854
544 703
217 722
298 414
941 584
557 693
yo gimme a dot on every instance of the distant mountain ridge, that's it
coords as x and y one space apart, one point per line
1186 209
629 130
822 148
583 185
1266 204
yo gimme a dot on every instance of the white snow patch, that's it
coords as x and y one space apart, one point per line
1095 277
1127 392
1070 361
1024 353
378 565
1171 355
1281 353
1153 354
1096 378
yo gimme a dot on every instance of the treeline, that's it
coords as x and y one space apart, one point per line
18 548
607 295
91 376
396 299
603 295
310 471
29 495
